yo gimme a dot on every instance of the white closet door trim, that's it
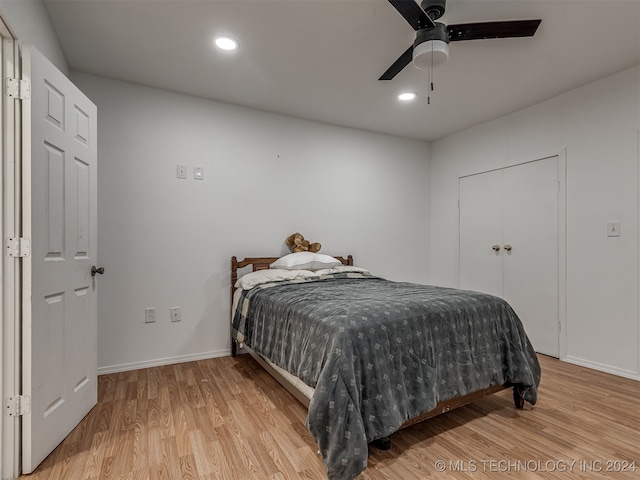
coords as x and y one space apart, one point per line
638 234
562 251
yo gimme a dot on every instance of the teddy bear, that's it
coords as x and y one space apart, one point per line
297 243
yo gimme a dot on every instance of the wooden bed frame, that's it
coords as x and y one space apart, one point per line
261 263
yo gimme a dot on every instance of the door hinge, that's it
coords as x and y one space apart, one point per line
18 405
18 89
17 247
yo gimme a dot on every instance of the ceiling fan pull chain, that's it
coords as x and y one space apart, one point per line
430 89
432 68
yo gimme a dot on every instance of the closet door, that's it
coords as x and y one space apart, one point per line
481 232
530 268
509 243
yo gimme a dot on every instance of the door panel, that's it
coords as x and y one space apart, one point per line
480 229
60 334
530 269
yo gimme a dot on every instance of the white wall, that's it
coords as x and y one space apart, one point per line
167 242
30 23
598 124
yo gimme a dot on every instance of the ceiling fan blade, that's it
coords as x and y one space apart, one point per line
412 13
478 31
398 65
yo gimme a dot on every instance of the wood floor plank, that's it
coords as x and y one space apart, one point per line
188 470
96 456
226 419
140 442
224 467
185 422
203 460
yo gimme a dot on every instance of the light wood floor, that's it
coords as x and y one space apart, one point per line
225 418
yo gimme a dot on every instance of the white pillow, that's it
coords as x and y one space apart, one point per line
305 261
250 280
342 269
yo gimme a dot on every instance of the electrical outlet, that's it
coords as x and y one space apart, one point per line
181 171
149 315
176 315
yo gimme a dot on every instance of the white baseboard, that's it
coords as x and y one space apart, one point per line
602 367
125 367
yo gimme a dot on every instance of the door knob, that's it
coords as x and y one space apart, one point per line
508 247
496 248
95 270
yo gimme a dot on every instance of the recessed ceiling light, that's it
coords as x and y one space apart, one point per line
226 43
407 96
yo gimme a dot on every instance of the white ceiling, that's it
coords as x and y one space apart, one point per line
320 59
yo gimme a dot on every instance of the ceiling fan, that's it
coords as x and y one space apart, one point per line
431 47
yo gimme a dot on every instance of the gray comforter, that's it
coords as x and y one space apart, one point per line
379 352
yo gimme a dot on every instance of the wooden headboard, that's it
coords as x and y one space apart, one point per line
262 263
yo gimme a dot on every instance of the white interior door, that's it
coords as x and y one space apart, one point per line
530 268
515 209
59 357
480 231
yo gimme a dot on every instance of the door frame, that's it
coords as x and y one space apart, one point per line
10 306
562 234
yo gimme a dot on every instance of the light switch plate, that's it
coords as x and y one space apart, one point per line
176 314
198 172
613 229
181 171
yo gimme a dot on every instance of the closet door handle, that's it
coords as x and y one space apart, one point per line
496 248
95 270
508 247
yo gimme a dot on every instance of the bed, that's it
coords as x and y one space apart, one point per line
369 356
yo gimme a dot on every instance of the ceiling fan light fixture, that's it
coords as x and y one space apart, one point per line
431 53
431 46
